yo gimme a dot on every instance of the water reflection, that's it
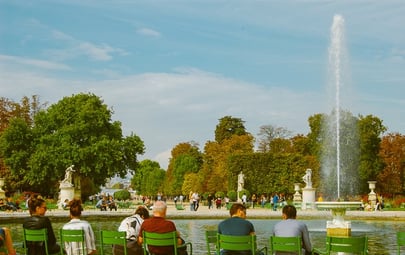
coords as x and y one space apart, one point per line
382 234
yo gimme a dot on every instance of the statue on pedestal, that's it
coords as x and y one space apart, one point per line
68 176
308 178
241 181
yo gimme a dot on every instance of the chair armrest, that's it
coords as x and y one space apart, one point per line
316 251
262 251
185 245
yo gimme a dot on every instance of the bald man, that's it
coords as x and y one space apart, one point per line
159 224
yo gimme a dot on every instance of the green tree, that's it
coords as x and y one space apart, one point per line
9 111
229 126
148 178
191 184
186 158
77 130
371 129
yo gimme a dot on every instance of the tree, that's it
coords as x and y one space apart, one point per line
75 131
148 178
229 126
371 129
392 152
186 158
214 173
9 111
268 133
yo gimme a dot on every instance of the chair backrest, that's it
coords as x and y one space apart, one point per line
400 241
236 243
352 244
290 244
159 239
210 239
36 240
112 237
72 241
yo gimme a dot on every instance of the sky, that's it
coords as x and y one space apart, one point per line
170 70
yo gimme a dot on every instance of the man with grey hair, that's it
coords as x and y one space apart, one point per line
158 224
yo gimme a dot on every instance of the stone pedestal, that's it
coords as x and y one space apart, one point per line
372 197
297 195
67 191
308 198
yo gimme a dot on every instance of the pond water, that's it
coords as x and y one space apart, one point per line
382 234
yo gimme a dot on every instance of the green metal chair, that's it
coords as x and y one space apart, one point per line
211 239
32 236
400 241
163 239
111 237
351 244
239 243
287 244
72 240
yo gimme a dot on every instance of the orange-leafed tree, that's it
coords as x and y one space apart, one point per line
392 152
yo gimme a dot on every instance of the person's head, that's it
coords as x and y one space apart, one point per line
289 212
75 207
142 212
159 209
37 206
238 210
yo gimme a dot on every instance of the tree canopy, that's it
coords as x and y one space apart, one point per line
75 131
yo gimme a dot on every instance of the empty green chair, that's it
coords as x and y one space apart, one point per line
400 241
239 243
163 239
351 244
110 238
286 244
211 240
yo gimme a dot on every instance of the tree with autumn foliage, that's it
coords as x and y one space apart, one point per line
230 137
392 152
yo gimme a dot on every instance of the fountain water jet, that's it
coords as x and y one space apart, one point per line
333 137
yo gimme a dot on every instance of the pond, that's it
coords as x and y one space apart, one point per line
382 234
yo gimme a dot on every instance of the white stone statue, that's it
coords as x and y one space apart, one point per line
68 175
241 181
308 178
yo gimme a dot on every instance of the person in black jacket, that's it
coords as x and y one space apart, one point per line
38 220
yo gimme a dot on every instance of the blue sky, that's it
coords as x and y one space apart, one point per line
171 69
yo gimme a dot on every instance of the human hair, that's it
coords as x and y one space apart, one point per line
75 207
159 207
235 207
290 211
142 211
33 203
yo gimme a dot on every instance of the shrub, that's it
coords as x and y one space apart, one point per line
122 195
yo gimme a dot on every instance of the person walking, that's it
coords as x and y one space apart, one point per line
290 227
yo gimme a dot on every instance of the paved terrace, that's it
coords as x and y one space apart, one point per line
204 213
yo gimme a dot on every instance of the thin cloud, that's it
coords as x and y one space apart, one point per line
42 64
148 32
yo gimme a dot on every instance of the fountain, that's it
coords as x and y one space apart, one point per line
332 160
